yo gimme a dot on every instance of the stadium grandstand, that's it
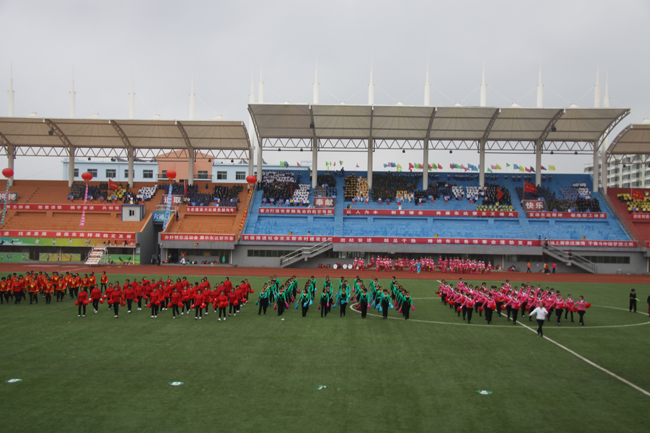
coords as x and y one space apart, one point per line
293 216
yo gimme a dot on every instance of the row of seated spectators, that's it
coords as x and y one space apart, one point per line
279 186
496 198
386 185
435 191
350 188
635 205
579 204
576 191
78 190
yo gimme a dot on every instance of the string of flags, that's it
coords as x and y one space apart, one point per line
470 167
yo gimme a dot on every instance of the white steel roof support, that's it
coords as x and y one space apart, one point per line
11 155
131 159
70 165
595 170
539 146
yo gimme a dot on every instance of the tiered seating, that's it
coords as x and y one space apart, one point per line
278 186
386 185
78 190
212 223
350 190
626 207
327 181
301 194
496 196
634 205
56 192
146 192
458 191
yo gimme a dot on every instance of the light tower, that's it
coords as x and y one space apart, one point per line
72 97
192 96
540 89
316 86
483 89
11 91
606 99
132 100
597 89
371 89
427 88
260 88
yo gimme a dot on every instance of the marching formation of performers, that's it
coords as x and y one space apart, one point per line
333 295
226 299
467 300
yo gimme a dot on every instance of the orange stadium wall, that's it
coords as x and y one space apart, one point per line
170 161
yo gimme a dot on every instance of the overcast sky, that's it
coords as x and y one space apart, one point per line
221 44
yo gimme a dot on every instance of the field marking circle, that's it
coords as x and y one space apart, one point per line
505 326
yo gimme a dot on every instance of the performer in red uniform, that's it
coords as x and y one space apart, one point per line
95 296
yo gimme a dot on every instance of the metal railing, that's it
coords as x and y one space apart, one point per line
576 259
304 253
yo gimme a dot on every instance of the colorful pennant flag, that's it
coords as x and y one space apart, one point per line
516 167
532 169
498 167
439 167
527 169
551 167
490 170
411 167
507 165
340 162
521 168
493 167
543 168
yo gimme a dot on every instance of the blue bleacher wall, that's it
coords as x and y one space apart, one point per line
491 228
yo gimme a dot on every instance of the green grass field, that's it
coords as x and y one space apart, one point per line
261 373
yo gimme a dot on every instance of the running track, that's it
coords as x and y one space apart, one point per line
207 270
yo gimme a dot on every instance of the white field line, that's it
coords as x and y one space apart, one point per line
593 364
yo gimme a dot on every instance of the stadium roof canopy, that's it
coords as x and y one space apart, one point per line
29 136
511 129
633 140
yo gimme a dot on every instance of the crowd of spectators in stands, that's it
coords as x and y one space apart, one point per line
386 185
278 186
635 205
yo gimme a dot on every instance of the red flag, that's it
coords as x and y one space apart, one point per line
411 167
185 187
637 195
500 194
439 167
527 169
529 187
112 185
451 166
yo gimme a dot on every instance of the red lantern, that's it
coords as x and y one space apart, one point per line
251 179
8 172
171 174
87 176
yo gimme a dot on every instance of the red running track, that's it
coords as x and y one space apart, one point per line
207 270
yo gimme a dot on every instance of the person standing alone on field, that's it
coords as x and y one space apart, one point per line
633 300
528 268
541 314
